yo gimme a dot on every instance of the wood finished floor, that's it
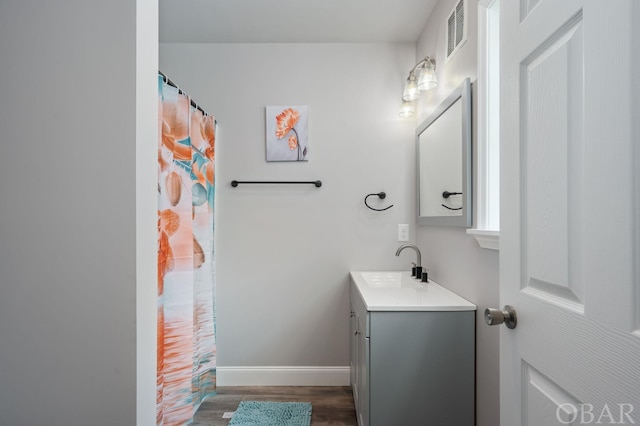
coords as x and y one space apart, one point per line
331 405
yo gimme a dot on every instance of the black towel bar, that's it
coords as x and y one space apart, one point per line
235 183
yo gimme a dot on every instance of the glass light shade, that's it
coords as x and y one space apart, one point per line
428 79
407 110
411 92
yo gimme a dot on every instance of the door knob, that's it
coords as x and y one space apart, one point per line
496 316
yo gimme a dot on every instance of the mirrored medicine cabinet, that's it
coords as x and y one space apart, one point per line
444 162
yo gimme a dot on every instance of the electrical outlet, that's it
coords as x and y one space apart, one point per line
403 232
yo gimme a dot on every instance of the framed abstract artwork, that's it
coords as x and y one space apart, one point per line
287 133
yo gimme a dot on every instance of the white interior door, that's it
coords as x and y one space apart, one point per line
570 207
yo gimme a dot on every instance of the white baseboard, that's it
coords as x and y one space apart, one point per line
282 376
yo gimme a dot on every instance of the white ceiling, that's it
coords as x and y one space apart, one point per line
292 21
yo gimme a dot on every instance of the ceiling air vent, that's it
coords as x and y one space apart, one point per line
456 28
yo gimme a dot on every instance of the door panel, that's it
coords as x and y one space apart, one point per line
552 165
544 401
570 190
526 7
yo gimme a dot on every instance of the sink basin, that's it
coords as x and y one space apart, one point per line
399 291
390 280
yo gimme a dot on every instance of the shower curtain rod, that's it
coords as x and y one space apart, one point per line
182 92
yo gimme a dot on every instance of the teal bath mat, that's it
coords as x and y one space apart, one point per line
259 413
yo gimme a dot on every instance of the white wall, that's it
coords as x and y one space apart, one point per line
454 258
68 165
283 253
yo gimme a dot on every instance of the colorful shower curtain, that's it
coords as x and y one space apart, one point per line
186 326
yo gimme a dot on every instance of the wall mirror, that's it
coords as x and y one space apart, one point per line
444 162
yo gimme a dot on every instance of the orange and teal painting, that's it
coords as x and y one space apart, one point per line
287 133
186 287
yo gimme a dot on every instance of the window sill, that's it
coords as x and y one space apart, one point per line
485 238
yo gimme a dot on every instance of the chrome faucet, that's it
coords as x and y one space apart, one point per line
418 272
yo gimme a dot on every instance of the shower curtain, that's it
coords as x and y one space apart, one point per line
186 325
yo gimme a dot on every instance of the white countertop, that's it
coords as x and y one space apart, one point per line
398 291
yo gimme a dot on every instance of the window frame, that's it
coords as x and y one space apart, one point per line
487 232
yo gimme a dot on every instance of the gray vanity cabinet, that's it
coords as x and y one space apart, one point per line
412 368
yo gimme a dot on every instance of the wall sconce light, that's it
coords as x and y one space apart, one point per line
410 92
421 78
408 109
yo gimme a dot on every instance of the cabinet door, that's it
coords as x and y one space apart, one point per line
354 354
422 368
363 374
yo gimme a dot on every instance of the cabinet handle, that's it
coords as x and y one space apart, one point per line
353 314
356 332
